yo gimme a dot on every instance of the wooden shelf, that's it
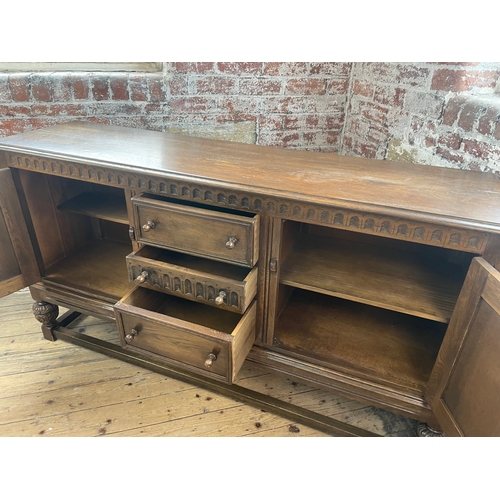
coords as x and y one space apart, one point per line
367 342
416 283
106 207
98 269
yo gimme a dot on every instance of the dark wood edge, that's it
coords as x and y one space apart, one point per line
350 387
281 408
19 228
458 329
276 193
67 318
69 300
276 197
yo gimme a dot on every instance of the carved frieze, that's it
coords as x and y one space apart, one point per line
188 285
369 223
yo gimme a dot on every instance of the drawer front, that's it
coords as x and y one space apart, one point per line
185 344
197 231
217 284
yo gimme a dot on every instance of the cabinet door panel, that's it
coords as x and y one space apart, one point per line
18 265
464 388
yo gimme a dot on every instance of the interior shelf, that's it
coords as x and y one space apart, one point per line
105 207
368 342
98 269
420 284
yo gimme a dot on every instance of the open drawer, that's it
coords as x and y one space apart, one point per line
217 233
194 336
214 283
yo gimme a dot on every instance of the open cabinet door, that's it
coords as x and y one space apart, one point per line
464 388
18 264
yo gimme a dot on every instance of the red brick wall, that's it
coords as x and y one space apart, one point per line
440 113
436 113
294 105
31 100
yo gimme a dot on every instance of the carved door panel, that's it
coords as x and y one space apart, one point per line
464 388
18 264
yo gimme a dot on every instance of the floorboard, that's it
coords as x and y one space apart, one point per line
59 389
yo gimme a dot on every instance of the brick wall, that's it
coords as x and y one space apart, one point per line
293 105
439 113
444 114
35 100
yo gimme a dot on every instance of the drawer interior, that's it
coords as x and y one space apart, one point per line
152 255
178 308
213 208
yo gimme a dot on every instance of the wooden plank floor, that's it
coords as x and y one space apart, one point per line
59 389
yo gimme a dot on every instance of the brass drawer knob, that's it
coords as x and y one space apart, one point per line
130 336
210 360
231 242
148 226
221 298
142 277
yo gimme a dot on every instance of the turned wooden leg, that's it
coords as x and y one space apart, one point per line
47 314
425 430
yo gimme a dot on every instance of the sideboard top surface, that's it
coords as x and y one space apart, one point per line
300 175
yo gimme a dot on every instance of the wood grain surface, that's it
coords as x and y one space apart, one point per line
112 208
305 176
372 343
419 283
58 389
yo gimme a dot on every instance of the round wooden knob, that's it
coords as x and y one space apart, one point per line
220 299
231 242
148 226
130 336
210 360
142 277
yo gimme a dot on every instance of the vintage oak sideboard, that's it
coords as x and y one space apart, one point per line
375 279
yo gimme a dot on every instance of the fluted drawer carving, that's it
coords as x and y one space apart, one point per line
217 284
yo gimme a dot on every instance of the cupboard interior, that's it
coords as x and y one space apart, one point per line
373 306
81 232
